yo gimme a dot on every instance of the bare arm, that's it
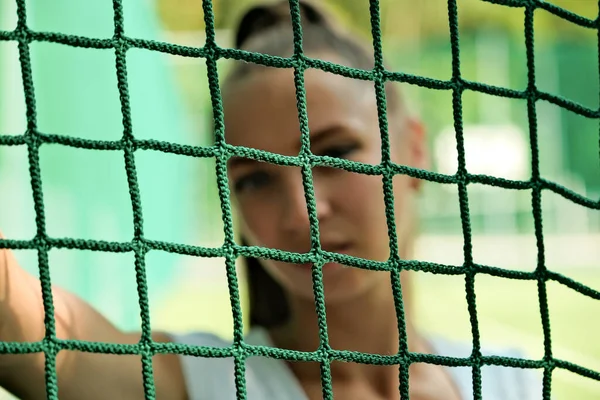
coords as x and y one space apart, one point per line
80 375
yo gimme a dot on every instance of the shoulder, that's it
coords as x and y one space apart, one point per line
498 382
213 378
510 382
206 377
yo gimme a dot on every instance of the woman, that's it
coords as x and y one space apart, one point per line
260 112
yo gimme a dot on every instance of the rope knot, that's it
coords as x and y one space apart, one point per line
23 34
458 84
211 51
41 242
306 159
378 75
139 245
120 44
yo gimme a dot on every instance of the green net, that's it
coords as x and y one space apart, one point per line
230 251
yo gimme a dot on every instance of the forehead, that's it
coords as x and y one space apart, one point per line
261 109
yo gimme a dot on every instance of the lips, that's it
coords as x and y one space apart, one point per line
332 247
338 246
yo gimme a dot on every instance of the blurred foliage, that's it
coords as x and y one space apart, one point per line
401 19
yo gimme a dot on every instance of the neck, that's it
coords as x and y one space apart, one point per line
367 323
351 324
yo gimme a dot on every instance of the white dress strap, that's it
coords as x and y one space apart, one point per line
214 379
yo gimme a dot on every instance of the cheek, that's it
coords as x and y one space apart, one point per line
405 211
256 222
360 201
362 195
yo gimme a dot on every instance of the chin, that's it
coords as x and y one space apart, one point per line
341 283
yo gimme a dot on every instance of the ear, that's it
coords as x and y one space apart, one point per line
417 147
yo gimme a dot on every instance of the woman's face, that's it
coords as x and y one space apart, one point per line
261 113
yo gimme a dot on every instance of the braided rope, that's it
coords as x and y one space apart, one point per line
222 151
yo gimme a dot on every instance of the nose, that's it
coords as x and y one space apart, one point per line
294 216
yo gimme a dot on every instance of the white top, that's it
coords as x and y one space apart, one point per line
271 379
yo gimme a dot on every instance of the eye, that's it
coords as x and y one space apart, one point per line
252 181
339 151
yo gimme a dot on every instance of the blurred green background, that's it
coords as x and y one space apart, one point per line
86 191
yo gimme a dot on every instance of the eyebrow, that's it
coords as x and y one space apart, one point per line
239 161
321 135
315 138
